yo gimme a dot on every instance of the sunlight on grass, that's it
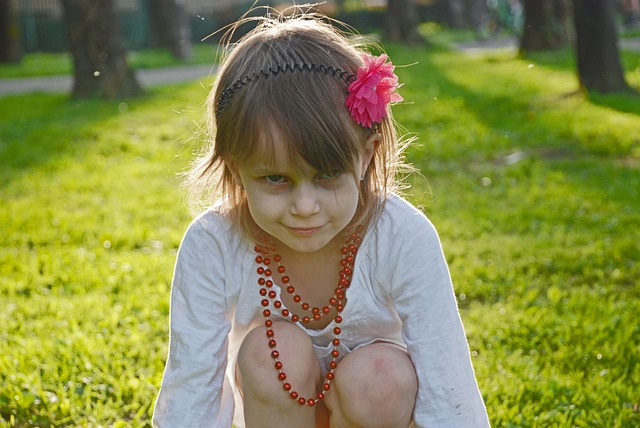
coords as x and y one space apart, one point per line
534 191
51 64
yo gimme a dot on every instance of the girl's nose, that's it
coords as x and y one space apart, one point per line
305 201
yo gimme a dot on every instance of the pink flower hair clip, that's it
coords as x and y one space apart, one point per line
373 90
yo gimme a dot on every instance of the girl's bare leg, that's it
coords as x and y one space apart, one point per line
266 404
375 387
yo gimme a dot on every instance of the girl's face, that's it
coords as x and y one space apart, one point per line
301 208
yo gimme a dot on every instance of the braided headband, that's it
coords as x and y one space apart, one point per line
369 92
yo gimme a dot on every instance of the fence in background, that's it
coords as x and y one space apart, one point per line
42 26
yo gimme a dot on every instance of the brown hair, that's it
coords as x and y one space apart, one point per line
304 104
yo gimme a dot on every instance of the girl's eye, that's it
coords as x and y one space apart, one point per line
330 175
275 179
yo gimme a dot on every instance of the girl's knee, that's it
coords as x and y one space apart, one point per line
256 370
375 386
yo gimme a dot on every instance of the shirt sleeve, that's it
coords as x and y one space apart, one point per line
422 293
193 391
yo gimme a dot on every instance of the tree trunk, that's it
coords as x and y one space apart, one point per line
598 57
456 16
99 58
402 22
478 14
170 26
10 49
547 25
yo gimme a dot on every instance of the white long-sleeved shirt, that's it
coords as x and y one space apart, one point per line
400 292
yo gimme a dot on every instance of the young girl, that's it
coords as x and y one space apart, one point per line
310 294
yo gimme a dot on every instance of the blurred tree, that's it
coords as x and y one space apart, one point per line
547 25
461 14
401 22
456 17
10 48
170 26
99 60
598 56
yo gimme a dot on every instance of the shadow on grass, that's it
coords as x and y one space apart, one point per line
624 103
38 129
592 161
564 60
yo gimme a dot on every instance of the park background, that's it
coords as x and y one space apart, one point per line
530 177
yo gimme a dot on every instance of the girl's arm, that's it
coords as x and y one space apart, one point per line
423 296
193 391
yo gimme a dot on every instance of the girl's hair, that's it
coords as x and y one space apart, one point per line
300 100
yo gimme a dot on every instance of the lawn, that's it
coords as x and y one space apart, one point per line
534 191
51 64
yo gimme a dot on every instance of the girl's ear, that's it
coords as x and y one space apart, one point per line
370 148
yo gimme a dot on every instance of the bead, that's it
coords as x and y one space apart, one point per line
337 301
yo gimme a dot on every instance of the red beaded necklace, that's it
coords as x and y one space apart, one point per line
265 282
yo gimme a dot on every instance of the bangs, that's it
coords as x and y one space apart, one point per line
312 125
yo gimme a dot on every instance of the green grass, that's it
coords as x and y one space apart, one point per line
51 64
534 191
